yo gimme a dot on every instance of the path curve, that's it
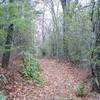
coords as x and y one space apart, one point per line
60 80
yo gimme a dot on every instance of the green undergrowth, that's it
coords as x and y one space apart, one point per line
80 91
2 96
3 81
31 70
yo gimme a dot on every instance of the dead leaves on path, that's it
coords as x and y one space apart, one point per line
60 82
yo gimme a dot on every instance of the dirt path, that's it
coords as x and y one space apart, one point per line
60 81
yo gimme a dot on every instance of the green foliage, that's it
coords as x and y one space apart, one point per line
3 81
2 96
76 38
80 90
2 36
31 69
77 33
21 15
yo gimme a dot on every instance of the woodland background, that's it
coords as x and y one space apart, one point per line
67 30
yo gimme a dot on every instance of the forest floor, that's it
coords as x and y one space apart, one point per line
60 82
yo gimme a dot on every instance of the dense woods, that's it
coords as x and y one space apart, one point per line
47 45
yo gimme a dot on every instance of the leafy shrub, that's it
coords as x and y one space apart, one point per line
2 96
3 81
80 90
30 69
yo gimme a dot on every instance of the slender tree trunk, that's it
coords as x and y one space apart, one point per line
6 55
96 54
65 7
97 57
65 51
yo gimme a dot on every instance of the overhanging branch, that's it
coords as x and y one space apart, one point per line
2 1
88 5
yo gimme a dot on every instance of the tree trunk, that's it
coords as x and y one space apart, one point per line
65 49
96 79
96 54
6 55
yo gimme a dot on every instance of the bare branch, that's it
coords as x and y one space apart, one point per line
2 1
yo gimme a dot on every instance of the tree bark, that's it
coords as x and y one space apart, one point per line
97 58
96 53
65 49
6 55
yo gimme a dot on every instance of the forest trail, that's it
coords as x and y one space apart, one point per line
60 80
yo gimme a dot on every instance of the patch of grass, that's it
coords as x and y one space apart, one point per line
80 91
